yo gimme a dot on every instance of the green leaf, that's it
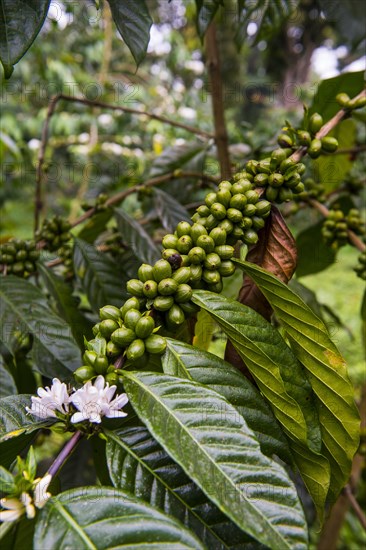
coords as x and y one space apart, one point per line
326 371
169 210
313 254
271 362
133 21
212 443
98 275
138 464
67 305
324 101
187 361
135 236
206 11
24 307
104 518
20 23
174 158
7 484
7 384
16 427
95 226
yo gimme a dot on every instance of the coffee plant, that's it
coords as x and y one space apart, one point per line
163 354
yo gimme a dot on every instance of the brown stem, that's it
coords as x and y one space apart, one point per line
355 506
215 80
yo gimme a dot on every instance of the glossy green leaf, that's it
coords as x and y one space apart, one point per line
136 238
326 371
213 444
104 518
67 305
7 383
169 210
186 361
7 484
277 372
138 464
174 158
313 254
20 23
24 307
95 226
98 275
133 21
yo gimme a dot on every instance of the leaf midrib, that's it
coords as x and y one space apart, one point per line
68 518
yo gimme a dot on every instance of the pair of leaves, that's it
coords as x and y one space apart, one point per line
326 372
210 440
23 307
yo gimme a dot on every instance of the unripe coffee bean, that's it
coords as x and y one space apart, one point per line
250 236
123 336
83 374
176 315
112 378
163 303
170 241
252 196
271 193
210 199
261 180
241 186
110 312
101 364
315 148
329 144
150 289
212 261
225 185
155 344
197 230
204 210
89 357
225 251
183 228
218 235
257 223
182 275
226 225
183 294
162 270
211 277
206 242
234 215
223 197
135 287
131 318
315 123
227 268
189 308
239 200
145 272
218 210
249 210
106 327
196 272
276 179
304 137
136 349
167 287
263 208
144 326
131 303
184 244
285 140
343 99
285 195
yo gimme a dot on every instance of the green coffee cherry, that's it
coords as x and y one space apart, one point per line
227 268
315 148
250 236
162 269
176 315
170 241
167 287
257 223
189 308
135 287
83 374
150 289
95 329
196 272
285 141
197 230
110 312
285 195
237 232
250 210
135 350
241 186
212 261
206 242
304 137
131 318
261 180
226 225
155 344
112 378
106 327
184 244
163 303
234 215
123 336
184 263
144 327
225 185
218 235
343 99
183 228
217 287
210 199
145 272
223 197
101 364
263 208
246 222
196 255
329 144
203 211
89 357
238 201
183 294
287 164
315 123
225 251
218 210
276 179
169 252
252 167
182 275
211 277
252 196
131 303
277 156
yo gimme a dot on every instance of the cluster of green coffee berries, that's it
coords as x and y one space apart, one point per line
336 226
360 269
350 104
99 204
313 190
291 138
114 243
55 232
121 332
278 174
18 257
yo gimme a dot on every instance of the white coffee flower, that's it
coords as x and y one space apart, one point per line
95 401
40 494
14 508
50 400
